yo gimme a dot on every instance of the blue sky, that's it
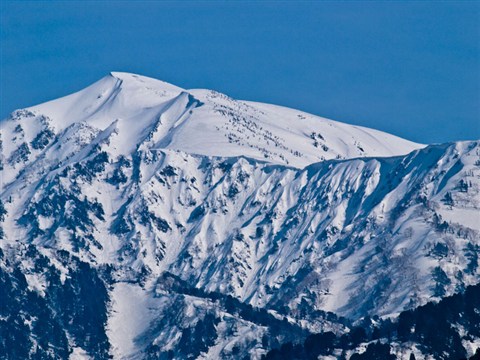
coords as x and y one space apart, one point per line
409 68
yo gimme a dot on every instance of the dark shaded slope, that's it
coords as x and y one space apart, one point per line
437 329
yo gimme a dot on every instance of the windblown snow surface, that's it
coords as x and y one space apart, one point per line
157 208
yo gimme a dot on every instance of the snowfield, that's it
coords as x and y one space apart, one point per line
206 122
184 201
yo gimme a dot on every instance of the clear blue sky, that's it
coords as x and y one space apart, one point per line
409 68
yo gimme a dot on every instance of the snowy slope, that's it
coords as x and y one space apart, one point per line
171 200
205 122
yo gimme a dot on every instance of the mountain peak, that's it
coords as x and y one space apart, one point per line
144 81
121 74
209 123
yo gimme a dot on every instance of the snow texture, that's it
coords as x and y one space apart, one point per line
283 210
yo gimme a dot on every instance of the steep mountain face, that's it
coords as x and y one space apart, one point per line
141 220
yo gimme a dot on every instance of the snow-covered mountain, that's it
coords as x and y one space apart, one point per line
168 213
139 113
